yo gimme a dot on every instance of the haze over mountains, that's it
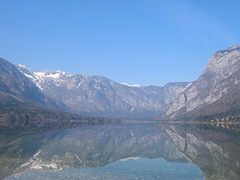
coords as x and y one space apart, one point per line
213 94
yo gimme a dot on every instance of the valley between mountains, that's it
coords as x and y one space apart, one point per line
57 98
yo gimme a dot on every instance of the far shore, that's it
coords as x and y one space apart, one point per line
178 122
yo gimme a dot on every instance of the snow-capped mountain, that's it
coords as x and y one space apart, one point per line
97 95
23 104
214 92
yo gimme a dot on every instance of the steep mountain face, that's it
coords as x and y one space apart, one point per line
13 82
97 95
216 91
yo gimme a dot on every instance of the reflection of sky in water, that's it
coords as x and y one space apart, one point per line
147 169
124 151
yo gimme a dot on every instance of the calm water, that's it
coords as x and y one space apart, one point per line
123 152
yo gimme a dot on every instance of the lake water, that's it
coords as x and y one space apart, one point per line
123 152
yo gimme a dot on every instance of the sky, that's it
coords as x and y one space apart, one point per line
146 42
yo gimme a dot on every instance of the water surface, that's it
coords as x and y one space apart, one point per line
124 151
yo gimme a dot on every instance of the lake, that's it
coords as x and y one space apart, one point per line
123 152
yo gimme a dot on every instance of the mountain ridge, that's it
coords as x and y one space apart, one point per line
82 93
214 93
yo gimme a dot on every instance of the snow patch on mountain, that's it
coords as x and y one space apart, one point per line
130 85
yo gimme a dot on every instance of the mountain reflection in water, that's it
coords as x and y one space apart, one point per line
136 151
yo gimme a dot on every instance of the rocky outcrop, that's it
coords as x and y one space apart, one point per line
216 89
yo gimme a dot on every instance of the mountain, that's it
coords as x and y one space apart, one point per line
13 82
213 96
215 93
23 104
97 95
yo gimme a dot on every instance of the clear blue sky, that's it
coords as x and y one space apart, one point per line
149 42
